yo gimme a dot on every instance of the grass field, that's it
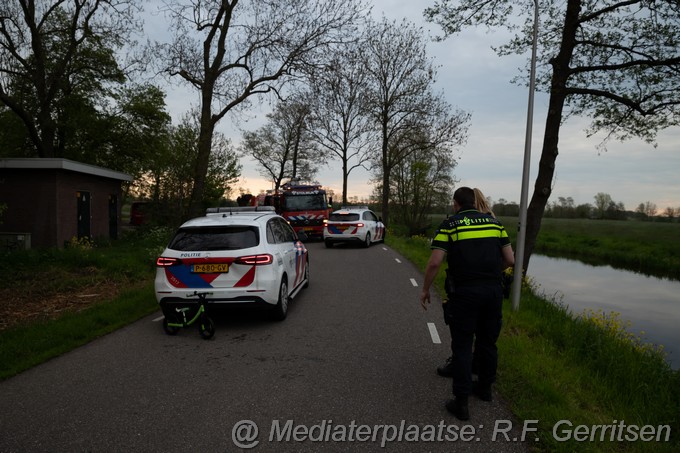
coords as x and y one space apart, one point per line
651 248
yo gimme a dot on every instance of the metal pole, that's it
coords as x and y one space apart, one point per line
521 234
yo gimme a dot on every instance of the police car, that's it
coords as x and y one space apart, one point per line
246 255
353 224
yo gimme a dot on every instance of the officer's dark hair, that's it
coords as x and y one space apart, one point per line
464 196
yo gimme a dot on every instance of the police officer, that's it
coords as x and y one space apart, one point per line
477 249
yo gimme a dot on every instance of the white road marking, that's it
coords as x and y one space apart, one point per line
414 282
433 333
397 260
160 318
384 248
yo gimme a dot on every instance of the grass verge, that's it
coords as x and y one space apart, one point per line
40 287
555 367
25 346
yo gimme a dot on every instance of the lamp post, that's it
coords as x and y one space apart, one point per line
521 234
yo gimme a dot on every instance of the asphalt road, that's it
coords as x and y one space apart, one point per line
351 368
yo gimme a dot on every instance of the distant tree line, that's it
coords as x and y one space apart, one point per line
604 207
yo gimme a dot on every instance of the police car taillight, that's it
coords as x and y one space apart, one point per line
359 224
163 261
255 259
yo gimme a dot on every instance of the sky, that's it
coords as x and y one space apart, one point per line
474 79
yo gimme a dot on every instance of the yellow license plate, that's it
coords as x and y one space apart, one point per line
210 268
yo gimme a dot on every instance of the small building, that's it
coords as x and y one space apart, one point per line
48 202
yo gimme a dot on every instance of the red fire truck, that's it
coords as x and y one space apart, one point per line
305 206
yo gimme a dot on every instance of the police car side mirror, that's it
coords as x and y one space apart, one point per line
302 236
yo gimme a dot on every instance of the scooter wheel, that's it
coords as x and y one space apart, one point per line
206 328
170 330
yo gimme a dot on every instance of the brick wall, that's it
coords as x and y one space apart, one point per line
43 202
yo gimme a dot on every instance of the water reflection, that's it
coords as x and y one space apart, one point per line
651 304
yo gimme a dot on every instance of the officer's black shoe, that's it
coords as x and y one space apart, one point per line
446 369
459 408
483 392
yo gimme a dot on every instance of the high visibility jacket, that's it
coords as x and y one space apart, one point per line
473 242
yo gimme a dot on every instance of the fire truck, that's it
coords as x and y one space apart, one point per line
305 206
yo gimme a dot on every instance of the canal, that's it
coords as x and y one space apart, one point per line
651 304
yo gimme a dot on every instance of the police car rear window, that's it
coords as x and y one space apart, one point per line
349 217
215 238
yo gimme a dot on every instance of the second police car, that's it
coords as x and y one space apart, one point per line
353 224
245 255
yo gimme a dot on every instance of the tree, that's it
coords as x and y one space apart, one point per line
421 181
615 211
583 211
602 202
505 208
339 123
233 50
400 100
650 209
562 208
292 119
134 135
646 210
167 182
283 147
262 146
14 140
616 61
56 59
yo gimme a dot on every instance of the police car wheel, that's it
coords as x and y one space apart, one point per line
367 241
281 307
306 285
329 243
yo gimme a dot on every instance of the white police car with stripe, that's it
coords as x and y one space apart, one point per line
246 255
353 224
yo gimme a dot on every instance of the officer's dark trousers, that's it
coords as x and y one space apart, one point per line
474 311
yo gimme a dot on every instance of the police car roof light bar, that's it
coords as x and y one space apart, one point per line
232 210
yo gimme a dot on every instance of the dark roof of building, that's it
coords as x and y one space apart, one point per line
62 164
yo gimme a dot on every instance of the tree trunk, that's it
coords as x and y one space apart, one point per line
546 171
558 94
386 173
296 149
202 159
345 176
45 144
386 195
